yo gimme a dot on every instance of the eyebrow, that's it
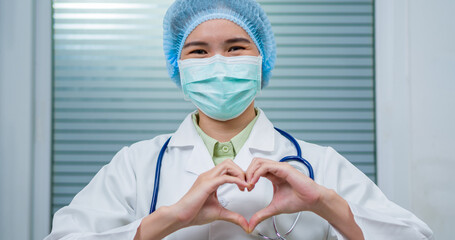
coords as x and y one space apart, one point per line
195 43
229 41
239 39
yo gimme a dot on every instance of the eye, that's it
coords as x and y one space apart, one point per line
235 48
198 51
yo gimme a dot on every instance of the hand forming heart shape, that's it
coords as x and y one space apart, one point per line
293 192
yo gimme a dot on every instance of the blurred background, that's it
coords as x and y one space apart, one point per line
80 79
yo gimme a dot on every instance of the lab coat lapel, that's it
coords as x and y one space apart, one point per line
262 138
199 159
185 134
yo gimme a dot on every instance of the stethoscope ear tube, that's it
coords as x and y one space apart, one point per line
292 139
301 160
299 157
156 185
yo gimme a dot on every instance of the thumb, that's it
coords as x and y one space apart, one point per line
234 217
260 216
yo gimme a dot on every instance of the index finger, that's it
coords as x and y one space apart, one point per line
228 167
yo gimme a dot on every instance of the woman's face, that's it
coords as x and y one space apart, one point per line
218 36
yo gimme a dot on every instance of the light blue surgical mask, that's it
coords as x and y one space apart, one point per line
221 87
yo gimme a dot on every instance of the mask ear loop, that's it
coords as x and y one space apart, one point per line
182 82
260 75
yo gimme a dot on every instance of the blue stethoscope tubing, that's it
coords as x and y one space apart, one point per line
297 158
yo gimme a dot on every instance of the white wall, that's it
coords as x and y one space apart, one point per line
415 89
25 119
15 118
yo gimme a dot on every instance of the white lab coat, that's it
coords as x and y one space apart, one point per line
113 204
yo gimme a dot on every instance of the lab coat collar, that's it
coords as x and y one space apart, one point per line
185 134
261 138
262 135
199 160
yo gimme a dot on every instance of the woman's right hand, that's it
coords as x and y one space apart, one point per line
198 206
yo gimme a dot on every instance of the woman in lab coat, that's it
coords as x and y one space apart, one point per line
220 175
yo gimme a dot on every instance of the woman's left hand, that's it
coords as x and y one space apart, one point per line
293 191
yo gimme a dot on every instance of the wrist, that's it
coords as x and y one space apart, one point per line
323 206
175 214
158 225
335 209
170 215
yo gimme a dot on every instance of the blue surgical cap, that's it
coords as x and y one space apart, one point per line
183 16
